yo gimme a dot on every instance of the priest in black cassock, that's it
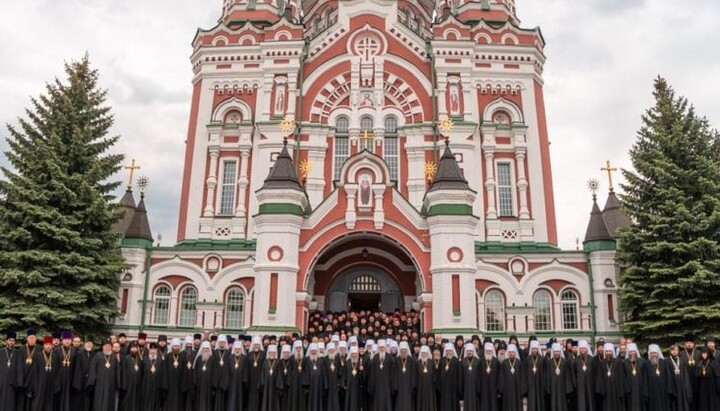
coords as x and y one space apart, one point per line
254 365
533 378
425 399
489 375
82 398
154 386
175 372
405 379
44 377
25 360
509 385
707 390
65 354
130 379
237 378
691 357
8 371
103 378
559 381
612 382
380 376
222 370
637 374
449 380
334 377
315 378
353 377
189 355
659 380
203 371
270 384
681 389
583 375
470 378
294 380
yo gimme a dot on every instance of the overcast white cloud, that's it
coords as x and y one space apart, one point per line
602 58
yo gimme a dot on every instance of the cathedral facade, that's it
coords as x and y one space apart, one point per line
368 154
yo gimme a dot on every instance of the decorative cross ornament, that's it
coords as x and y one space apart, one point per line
132 167
287 126
609 171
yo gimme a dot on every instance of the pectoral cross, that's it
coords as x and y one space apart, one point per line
132 167
609 171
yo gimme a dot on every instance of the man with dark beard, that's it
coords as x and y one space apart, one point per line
611 381
221 374
470 377
489 372
425 400
154 386
8 371
188 355
708 382
583 374
680 385
352 381
65 356
237 378
405 379
103 378
43 382
509 385
533 378
269 382
637 374
379 379
254 365
659 380
83 358
558 378
130 379
449 378
203 370
690 358
25 360
332 370
175 372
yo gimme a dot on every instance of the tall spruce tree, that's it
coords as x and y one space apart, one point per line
671 283
59 259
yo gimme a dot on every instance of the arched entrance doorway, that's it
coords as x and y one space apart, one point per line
364 288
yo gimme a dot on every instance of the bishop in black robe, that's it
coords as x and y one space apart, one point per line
559 379
82 395
189 355
315 380
691 358
269 381
176 375
334 377
254 365
707 392
489 375
154 381
583 375
682 391
23 380
449 378
294 398
66 358
425 399
470 379
103 379
533 379
237 379
8 372
44 378
509 385
659 380
612 382
353 381
202 378
635 369
380 379
405 380
220 377
130 380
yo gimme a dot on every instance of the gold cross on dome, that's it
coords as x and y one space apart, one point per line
609 171
132 167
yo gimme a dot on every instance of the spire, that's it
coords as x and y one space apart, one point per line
282 174
139 226
614 215
127 208
597 229
449 176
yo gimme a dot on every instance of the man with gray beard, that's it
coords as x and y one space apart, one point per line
659 380
154 380
293 392
104 378
203 370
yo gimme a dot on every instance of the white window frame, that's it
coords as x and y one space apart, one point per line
167 299
549 310
362 143
223 185
498 311
184 320
238 321
340 158
393 165
574 306
513 187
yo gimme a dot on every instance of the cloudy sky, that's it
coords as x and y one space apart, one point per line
602 58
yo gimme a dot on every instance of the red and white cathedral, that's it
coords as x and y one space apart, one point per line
364 154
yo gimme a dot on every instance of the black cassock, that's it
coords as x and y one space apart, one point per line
659 385
707 392
509 385
254 365
353 382
271 385
316 383
189 375
470 383
220 379
533 382
489 375
691 359
43 381
559 383
154 384
82 396
25 359
637 377
334 377
681 388
66 359
366 363
449 376
177 381
425 399
583 375
405 383
293 398
130 380
8 375
380 383
237 380
612 384
104 378
202 378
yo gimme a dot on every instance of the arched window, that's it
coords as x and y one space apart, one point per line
342 145
543 310
390 146
494 311
364 283
234 308
569 303
162 305
188 311
366 127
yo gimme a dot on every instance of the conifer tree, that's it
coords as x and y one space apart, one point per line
671 283
59 259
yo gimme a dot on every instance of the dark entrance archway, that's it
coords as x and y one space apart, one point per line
364 288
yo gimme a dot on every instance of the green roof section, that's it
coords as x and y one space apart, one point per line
449 209
599 245
211 245
527 247
281 208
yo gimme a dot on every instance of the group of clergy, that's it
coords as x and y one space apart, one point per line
65 373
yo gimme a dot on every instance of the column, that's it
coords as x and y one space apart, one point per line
243 182
490 184
522 184
211 182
